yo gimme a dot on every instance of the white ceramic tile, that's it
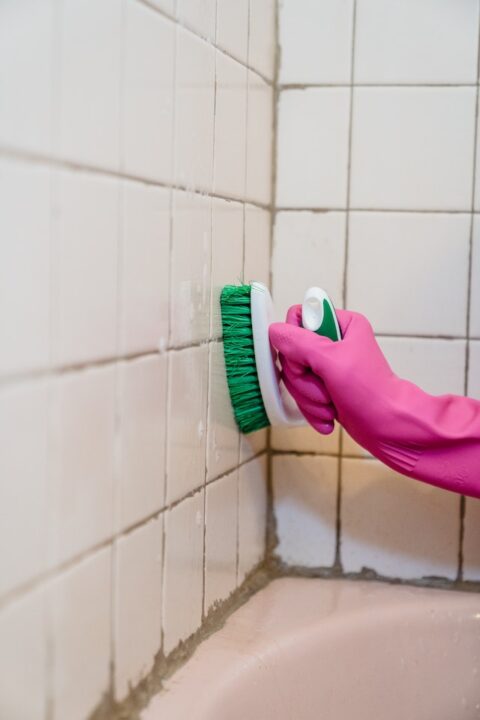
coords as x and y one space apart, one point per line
194 106
262 36
24 266
312 148
81 618
396 526
230 127
316 41
167 6
85 243
145 268
81 449
410 42
147 109
305 439
138 615
23 659
187 416
89 70
142 417
252 444
23 490
252 515
259 140
223 436
183 573
257 245
474 370
227 254
435 365
26 74
475 289
471 541
221 539
408 272
191 265
412 148
232 27
308 249
305 507
199 16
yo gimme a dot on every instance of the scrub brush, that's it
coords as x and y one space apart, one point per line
257 398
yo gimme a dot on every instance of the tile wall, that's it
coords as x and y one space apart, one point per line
377 200
135 180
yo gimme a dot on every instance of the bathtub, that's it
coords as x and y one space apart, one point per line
311 649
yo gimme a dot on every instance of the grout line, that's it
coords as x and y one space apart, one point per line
210 41
342 209
52 573
15 153
394 85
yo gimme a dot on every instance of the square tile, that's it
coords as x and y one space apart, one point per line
191 266
316 41
252 515
412 148
412 42
26 74
384 518
89 84
23 489
223 435
253 444
227 254
80 608
23 658
230 127
435 365
194 108
145 268
85 246
25 207
474 370
187 417
305 440
138 602
183 572
305 507
402 245
142 427
199 16
232 27
81 452
312 148
257 245
262 36
308 250
221 539
471 540
149 57
475 289
259 140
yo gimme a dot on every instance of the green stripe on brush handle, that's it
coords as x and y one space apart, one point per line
318 314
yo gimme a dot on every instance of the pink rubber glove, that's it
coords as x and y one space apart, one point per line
434 439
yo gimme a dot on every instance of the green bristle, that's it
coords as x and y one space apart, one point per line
242 376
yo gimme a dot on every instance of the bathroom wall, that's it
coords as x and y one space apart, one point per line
135 180
377 200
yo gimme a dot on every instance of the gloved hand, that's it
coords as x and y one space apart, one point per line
435 439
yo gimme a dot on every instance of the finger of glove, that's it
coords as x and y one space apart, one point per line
324 428
325 412
307 384
301 346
